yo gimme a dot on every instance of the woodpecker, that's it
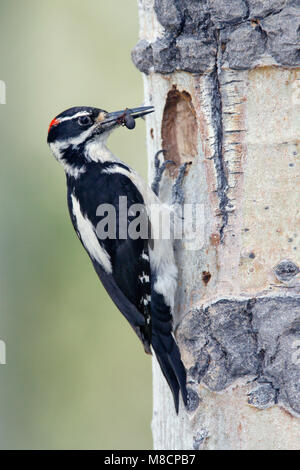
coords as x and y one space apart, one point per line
140 275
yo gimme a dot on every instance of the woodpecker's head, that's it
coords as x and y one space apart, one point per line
74 132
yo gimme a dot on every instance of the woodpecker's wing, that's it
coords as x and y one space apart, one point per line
135 306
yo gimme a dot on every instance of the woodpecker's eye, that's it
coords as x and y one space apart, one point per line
84 121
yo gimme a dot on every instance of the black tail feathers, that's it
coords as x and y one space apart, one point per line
168 356
166 349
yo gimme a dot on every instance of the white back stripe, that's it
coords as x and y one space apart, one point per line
89 237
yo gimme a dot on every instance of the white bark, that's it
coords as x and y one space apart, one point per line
250 192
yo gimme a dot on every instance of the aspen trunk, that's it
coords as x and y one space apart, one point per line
224 77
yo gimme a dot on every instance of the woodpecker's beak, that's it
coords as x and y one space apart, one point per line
125 117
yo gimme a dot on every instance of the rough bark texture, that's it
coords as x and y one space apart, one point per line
224 77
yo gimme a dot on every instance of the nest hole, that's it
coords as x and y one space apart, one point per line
179 129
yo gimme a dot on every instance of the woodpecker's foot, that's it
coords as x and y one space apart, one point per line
159 171
177 191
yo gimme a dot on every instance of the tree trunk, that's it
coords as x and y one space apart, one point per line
223 77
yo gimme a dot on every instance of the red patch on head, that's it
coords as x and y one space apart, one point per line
54 122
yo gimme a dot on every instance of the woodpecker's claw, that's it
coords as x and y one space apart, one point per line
159 170
177 191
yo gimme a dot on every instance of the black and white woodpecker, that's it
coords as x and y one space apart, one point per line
140 275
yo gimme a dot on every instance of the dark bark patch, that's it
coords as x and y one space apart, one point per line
255 339
206 277
248 30
264 396
193 400
142 56
245 44
286 270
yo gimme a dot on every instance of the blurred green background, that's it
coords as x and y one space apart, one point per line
76 375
